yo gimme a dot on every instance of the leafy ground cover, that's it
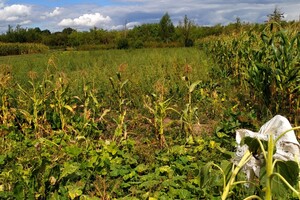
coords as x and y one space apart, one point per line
120 124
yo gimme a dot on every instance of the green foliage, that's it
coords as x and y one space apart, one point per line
187 28
123 43
121 124
167 29
19 48
265 64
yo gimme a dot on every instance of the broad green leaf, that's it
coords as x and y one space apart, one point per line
2 159
179 150
222 134
74 190
141 168
149 184
69 168
183 194
73 150
289 170
86 197
129 176
166 169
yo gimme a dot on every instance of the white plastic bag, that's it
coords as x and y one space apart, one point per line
287 147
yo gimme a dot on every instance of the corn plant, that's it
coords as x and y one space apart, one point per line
272 176
265 64
91 110
120 94
189 114
35 99
159 108
118 87
60 101
6 111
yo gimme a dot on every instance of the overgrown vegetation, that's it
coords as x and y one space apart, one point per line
148 123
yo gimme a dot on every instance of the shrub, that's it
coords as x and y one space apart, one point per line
138 44
123 43
188 43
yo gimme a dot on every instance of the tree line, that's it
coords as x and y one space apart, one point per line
162 34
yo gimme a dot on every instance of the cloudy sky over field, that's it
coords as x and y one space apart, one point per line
113 14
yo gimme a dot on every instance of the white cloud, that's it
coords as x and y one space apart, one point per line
25 22
86 20
55 12
14 12
131 25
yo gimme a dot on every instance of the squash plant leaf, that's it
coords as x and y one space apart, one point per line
69 168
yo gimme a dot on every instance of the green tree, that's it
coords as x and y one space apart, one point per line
167 29
186 28
145 32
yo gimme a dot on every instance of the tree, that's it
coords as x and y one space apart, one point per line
167 29
276 16
68 31
238 24
186 28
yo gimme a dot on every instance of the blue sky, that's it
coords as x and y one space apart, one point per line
55 15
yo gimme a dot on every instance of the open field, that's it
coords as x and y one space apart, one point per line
136 124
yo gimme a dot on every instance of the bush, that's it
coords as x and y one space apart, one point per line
138 44
123 43
188 43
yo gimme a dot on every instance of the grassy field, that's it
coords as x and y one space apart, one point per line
121 124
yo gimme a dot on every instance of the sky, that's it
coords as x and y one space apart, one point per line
55 15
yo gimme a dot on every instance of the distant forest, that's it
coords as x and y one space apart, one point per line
162 34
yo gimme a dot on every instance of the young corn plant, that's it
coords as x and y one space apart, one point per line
35 100
91 110
159 108
60 102
120 93
189 114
